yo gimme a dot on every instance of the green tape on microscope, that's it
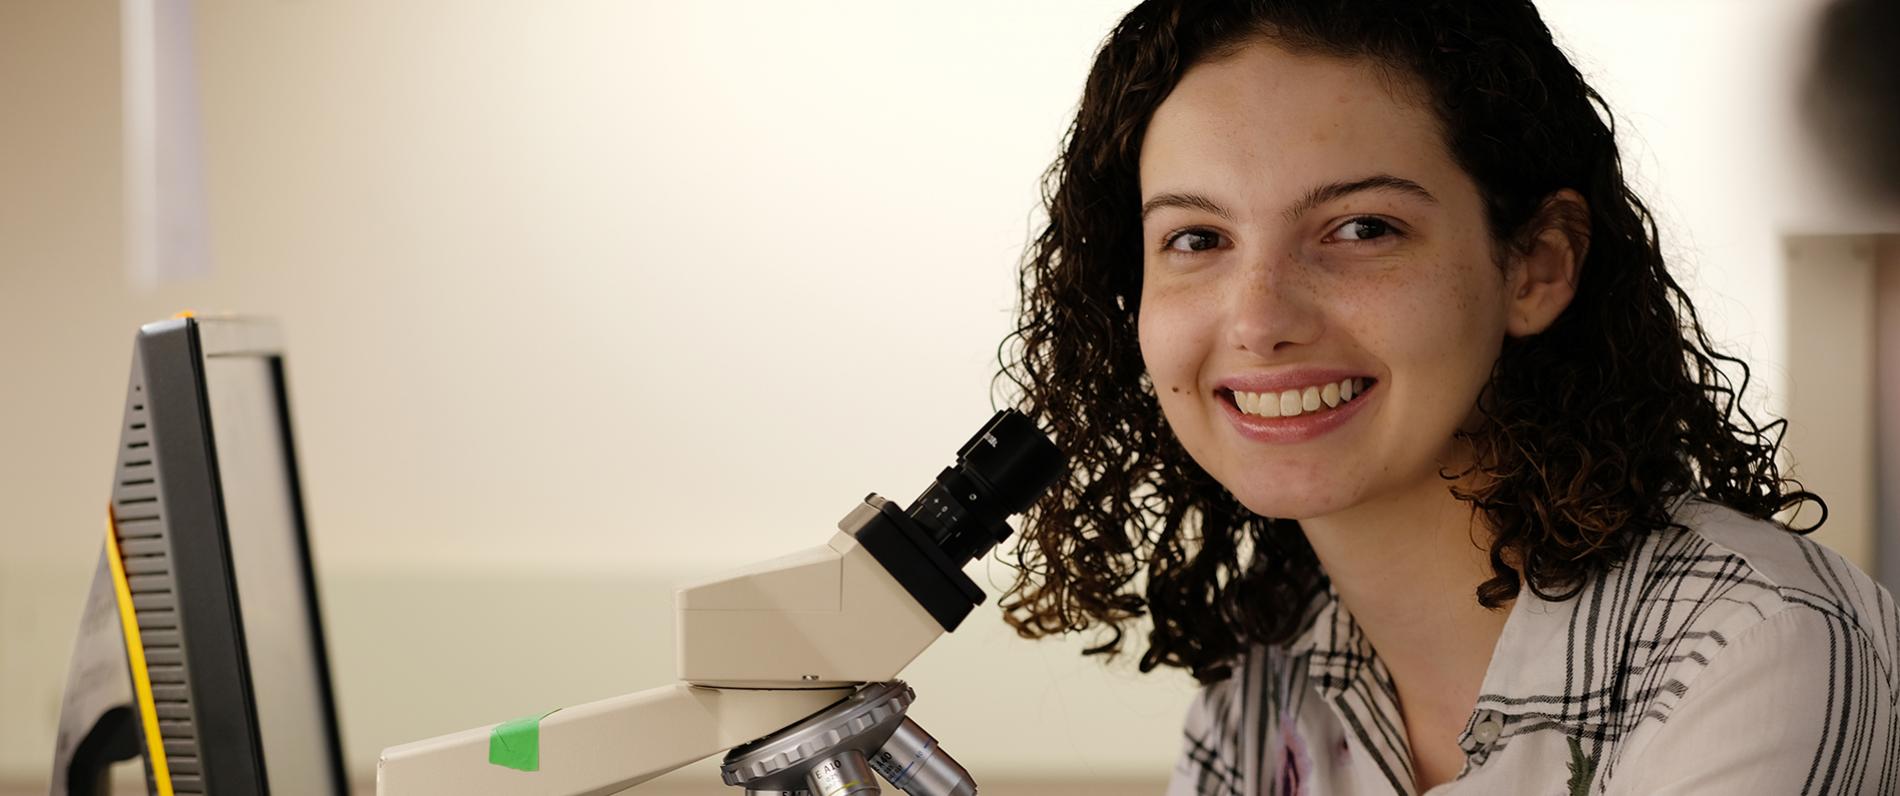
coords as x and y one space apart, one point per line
517 744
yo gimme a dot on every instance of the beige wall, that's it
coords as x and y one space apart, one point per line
1830 389
585 299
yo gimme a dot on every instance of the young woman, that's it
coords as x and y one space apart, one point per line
1388 422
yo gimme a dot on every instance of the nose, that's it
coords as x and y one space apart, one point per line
1271 306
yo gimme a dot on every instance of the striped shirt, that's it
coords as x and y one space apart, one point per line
1732 657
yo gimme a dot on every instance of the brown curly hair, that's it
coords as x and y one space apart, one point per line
1590 428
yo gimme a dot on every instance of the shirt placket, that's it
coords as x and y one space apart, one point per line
1483 733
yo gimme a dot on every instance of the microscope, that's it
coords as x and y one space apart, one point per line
789 663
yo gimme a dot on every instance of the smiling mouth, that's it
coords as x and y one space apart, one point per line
1313 400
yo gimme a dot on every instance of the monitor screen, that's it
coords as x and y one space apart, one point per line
268 560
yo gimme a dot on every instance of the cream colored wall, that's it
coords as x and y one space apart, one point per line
585 299
1830 391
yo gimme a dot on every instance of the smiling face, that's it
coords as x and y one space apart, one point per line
1304 224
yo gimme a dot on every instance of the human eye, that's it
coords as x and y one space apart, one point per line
1363 229
1197 239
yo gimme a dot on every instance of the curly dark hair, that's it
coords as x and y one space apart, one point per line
1590 428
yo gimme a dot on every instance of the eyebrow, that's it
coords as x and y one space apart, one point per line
1319 195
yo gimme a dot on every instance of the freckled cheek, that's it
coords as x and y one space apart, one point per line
1449 342
1415 327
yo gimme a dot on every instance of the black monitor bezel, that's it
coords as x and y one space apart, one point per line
173 355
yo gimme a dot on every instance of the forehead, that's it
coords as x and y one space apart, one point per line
1270 119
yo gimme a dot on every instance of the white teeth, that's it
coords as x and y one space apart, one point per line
1290 403
1293 403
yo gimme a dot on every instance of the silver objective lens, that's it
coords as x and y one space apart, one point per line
913 763
844 774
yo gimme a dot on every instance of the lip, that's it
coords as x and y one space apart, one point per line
1306 426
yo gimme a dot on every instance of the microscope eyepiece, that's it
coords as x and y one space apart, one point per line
999 472
1013 459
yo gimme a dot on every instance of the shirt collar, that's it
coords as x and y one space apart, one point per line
1531 661
1529 666
1336 652
1527 670
1531 669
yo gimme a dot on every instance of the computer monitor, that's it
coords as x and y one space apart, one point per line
201 649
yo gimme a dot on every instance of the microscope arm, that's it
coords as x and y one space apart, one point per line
759 649
601 747
771 656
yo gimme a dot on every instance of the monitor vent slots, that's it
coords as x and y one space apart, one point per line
138 514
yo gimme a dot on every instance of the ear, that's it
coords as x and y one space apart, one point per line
1543 278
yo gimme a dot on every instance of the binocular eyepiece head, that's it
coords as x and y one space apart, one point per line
1001 471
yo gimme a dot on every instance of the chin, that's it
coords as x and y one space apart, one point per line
1285 506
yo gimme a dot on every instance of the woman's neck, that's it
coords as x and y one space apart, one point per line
1407 569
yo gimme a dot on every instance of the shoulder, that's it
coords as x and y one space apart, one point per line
1213 754
1222 707
1750 569
1230 720
1740 619
1727 598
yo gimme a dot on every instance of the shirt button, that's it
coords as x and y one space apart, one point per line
1487 731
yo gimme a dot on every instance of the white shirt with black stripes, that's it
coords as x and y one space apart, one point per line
1729 656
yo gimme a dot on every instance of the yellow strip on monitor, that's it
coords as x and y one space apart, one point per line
135 652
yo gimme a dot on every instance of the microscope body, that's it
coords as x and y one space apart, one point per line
774 659
758 650
830 616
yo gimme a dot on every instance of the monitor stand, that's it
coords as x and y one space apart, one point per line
98 716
